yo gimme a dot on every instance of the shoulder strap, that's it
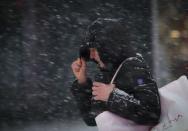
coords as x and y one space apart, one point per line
117 71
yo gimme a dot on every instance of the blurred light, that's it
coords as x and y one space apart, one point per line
175 34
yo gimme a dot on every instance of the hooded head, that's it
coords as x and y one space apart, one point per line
111 38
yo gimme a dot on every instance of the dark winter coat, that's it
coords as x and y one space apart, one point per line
136 95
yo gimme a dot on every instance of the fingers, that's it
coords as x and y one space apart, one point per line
98 84
94 88
94 93
102 92
78 64
96 98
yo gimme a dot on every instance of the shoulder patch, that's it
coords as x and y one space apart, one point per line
140 81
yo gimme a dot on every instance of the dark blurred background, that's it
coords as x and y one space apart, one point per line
40 38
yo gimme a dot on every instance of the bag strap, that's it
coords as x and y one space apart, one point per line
117 71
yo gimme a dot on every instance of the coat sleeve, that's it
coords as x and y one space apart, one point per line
141 103
83 95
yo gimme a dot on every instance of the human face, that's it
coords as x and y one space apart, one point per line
94 55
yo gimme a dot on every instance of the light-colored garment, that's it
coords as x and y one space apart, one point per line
174 106
108 121
174 115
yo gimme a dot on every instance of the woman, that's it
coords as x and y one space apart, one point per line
133 95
